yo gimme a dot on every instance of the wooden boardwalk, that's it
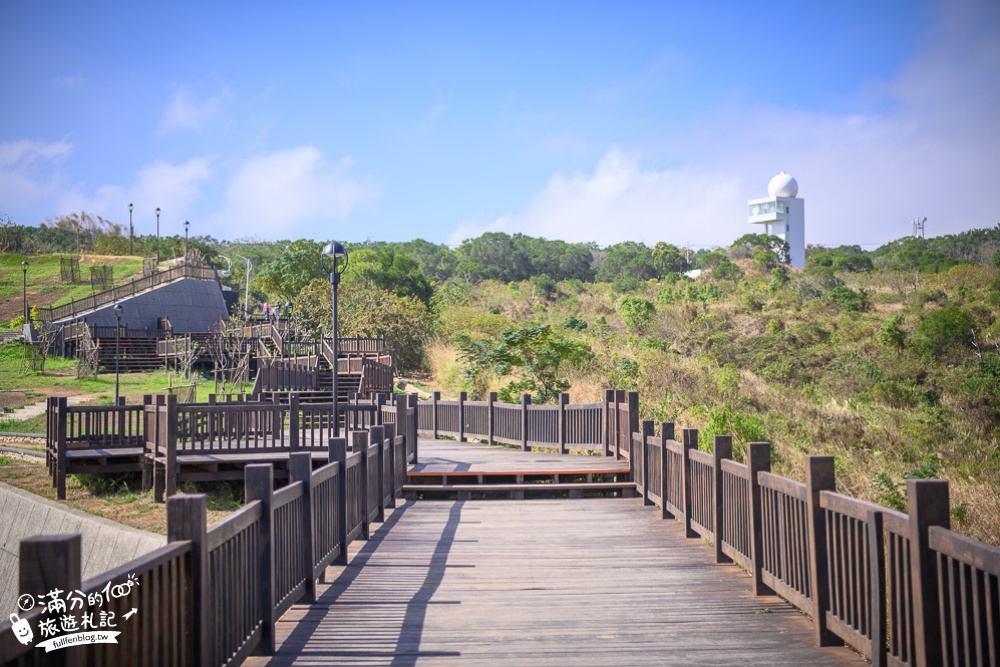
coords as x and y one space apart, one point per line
546 582
449 456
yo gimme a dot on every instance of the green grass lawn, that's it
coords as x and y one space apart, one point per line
60 378
43 276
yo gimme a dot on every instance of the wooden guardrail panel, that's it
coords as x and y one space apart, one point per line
736 512
290 574
785 566
703 493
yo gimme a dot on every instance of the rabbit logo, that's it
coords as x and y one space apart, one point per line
22 629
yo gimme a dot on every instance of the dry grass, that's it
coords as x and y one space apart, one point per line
116 500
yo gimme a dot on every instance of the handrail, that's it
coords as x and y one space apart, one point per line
95 301
901 588
213 595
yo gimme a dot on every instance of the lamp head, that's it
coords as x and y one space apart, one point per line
24 264
118 310
130 208
186 224
157 210
336 251
288 305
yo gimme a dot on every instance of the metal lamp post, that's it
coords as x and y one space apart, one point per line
186 226
246 296
157 235
336 251
130 229
24 288
118 342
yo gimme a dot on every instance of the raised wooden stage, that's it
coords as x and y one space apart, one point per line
550 582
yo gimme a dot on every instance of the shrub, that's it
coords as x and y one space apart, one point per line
637 313
890 333
654 343
848 300
943 329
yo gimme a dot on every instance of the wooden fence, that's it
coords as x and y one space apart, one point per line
564 426
155 437
213 595
901 588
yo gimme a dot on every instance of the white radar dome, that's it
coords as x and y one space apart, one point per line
783 185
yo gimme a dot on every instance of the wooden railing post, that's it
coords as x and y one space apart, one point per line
359 443
690 436
413 402
928 506
389 437
758 459
563 401
377 436
722 450
293 422
666 433
617 444
260 486
170 430
877 587
338 452
49 562
525 402
462 396
646 473
820 476
300 470
187 520
62 406
435 397
607 421
490 421
633 417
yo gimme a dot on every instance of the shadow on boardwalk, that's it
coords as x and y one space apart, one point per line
557 582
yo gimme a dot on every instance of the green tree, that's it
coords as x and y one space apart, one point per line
368 311
637 313
669 258
535 354
627 260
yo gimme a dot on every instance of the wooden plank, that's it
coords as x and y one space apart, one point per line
549 583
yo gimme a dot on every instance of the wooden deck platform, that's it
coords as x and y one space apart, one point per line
452 457
548 582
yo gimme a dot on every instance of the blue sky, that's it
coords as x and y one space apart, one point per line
576 120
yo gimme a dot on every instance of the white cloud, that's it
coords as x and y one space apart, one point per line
175 188
282 193
186 112
930 148
26 173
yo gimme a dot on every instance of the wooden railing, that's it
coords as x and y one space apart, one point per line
120 438
213 595
564 426
902 589
284 375
377 375
132 288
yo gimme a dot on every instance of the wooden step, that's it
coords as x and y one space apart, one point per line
518 491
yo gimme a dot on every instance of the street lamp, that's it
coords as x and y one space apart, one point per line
157 235
130 229
336 251
246 297
118 343
186 226
24 288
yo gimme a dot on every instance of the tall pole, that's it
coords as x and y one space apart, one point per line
335 281
24 288
130 229
186 225
118 340
157 235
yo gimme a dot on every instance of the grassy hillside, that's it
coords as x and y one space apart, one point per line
45 287
895 374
